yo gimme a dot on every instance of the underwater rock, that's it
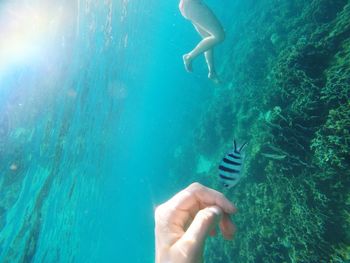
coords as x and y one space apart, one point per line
13 167
302 41
272 114
275 39
325 10
313 61
332 141
296 91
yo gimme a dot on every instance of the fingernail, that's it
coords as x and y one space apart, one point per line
233 209
216 210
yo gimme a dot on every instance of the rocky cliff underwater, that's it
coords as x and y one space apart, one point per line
287 93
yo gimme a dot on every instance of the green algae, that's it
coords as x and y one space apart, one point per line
332 141
291 100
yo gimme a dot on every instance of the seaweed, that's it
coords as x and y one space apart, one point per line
292 101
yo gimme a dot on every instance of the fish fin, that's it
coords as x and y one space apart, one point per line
242 147
232 185
234 145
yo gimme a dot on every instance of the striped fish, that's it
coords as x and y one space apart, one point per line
231 166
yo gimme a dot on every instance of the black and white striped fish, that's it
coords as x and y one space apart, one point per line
231 166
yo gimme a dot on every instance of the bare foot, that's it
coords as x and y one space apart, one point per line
188 62
214 78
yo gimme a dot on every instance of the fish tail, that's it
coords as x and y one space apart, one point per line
242 147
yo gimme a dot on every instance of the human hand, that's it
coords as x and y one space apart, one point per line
183 223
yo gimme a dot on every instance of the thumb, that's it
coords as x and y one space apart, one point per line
204 222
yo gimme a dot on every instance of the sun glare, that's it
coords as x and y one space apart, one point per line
25 33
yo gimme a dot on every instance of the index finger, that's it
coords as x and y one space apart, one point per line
197 196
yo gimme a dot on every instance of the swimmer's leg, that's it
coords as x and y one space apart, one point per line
209 57
204 18
209 54
187 62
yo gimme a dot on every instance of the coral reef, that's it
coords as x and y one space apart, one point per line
291 100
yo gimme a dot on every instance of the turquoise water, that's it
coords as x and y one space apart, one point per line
95 115
100 123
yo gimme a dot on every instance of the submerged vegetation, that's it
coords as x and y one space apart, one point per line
288 94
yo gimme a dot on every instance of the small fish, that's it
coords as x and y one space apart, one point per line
231 166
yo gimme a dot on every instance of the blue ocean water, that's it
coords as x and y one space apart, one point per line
94 101
100 123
